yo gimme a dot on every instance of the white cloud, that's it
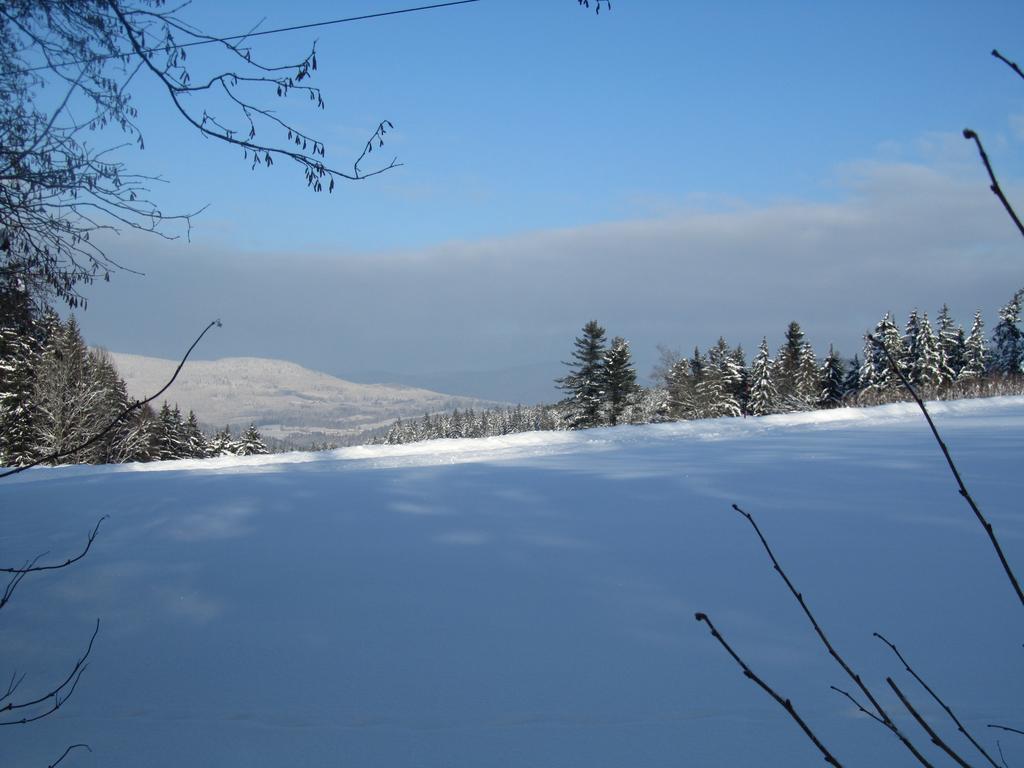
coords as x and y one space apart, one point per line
900 235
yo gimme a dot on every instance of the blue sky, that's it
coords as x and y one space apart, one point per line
710 145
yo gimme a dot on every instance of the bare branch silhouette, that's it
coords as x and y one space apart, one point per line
20 573
125 413
953 468
994 186
938 700
67 751
883 716
936 739
56 697
786 704
860 707
1011 64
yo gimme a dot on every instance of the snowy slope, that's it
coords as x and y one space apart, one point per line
239 390
522 601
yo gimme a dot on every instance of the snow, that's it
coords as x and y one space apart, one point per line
525 600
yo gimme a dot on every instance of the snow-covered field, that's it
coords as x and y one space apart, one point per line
523 601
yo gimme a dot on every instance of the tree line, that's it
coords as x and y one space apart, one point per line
942 361
56 394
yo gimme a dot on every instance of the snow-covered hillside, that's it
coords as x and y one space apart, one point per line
523 601
284 399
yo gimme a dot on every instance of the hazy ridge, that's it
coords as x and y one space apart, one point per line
284 399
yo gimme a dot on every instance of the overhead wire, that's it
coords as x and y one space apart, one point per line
231 38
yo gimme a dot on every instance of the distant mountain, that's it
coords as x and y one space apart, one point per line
524 384
285 400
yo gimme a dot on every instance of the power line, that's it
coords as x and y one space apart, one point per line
229 38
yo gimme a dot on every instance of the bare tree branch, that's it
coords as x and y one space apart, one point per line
883 716
936 739
1012 65
953 468
994 186
786 704
55 697
33 568
68 751
132 407
860 707
938 700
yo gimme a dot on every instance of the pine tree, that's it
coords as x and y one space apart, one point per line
118 444
950 348
251 443
68 398
763 395
832 381
1008 347
852 384
807 390
19 358
975 352
169 435
715 390
619 379
196 445
740 376
878 380
787 365
585 382
223 443
910 357
926 370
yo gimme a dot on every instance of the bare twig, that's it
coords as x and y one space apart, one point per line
953 468
1011 64
786 704
883 716
33 568
938 700
1002 757
994 186
860 707
67 752
936 739
57 696
128 411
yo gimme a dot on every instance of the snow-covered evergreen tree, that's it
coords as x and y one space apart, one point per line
716 387
251 443
169 435
832 381
1007 344
807 387
222 444
852 385
740 377
787 366
950 347
924 366
879 382
975 352
70 401
764 397
196 444
19 357
585 382
619 379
